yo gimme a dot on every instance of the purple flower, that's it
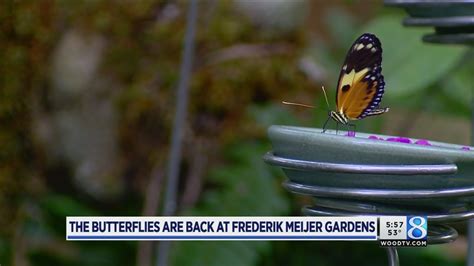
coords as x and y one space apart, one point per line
465 148
423 142
350 134
374 137
404 140
399 139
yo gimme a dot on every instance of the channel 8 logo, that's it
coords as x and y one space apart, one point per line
417 228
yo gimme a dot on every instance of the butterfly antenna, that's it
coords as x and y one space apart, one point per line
325 96
298 104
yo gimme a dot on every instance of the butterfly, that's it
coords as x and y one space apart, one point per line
361 85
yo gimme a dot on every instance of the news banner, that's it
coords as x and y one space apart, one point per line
393 231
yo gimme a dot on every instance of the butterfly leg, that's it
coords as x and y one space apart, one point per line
337 127
325 123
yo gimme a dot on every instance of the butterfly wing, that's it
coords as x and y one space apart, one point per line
361 85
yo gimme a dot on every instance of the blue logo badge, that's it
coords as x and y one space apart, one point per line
417 228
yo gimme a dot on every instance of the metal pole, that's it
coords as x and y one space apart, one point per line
392 256
178 128
470 223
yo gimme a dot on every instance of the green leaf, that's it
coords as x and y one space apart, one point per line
459 83
409 65
63 206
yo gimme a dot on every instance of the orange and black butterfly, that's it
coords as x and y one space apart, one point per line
361 86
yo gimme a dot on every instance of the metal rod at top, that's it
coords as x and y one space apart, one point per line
435 169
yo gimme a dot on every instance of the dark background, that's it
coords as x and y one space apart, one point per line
88 96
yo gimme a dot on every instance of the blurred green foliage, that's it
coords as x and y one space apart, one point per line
246 185
25 39
235 96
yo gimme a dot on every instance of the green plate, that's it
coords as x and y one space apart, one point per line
311 145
